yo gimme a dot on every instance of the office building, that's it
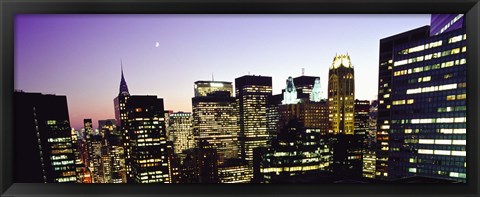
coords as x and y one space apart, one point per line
200 164
42 141
235 170
215 120
181 130
387 46
147 137
252 94
295 151
427 120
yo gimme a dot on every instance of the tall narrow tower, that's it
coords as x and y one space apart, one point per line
121 119
341 95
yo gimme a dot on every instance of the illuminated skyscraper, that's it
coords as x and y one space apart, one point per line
181 130
215 120
43 141
203 88
122 123
148 143
387 46
427 123
252 93
341 95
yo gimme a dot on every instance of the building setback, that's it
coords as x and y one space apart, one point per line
43 142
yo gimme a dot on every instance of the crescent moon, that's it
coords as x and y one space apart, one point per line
157 44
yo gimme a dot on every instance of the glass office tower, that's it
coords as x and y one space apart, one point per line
252 94
427 134
387 46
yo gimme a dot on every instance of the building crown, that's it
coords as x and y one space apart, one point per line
341 60
123 83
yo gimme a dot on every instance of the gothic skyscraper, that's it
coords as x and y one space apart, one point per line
341 95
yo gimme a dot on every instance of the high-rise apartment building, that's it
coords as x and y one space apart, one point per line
43 141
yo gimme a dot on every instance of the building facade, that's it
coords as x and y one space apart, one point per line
181 130
341 95
215 120
387 46
427 130
43 142
252 94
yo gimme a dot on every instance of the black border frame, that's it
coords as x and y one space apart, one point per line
8 9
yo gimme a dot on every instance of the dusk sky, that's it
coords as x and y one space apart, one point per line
79 55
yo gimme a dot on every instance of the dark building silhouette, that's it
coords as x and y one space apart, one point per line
200 164
43 142
304 86
295 151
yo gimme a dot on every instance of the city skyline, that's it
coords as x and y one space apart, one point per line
85 53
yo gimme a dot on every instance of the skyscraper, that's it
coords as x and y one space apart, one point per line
427 130
215 120
252 94
346 145
182 131
43 141
385 73
148 143
341 95
122 123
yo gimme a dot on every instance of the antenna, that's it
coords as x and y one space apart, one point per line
248 72
303 71
212 77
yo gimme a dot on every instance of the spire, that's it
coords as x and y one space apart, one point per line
123 83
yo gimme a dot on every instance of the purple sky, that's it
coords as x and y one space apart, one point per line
79 55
